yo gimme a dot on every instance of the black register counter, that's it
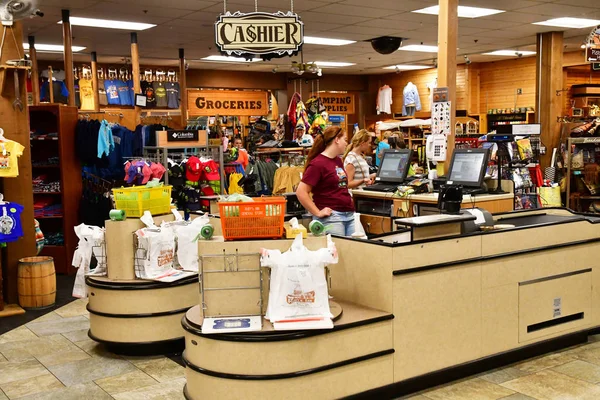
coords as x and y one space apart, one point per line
419 312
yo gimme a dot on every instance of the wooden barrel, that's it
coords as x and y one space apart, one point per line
37 282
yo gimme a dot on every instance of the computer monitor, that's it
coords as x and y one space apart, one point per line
394 166
468 167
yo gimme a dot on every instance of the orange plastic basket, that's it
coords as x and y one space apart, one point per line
262 218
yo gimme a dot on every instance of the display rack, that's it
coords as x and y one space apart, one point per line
53 156
587 192
494 120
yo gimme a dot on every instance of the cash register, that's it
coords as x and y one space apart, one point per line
467 169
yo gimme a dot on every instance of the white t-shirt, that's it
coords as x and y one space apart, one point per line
361 168
384 100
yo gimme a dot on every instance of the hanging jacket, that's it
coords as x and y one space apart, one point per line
410 96
292 108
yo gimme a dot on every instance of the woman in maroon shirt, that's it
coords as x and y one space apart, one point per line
326 179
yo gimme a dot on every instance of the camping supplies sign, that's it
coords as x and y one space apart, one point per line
338 103
228 102
259 33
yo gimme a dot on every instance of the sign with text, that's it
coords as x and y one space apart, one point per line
228 102
338 103
259 33
593 54
184 135
440 94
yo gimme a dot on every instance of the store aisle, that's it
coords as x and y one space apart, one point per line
53 358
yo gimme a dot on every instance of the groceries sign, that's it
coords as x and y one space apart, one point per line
259 33
228 102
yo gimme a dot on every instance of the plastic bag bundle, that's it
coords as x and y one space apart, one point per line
298 285
186 253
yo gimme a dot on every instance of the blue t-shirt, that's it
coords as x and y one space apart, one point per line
112 92
10 222
124 95
379 154
106 142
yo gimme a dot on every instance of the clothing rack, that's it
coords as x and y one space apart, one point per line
163 154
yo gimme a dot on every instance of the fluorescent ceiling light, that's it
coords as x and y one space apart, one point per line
420 47
406 67
509 53
53 47
229 59
463 11
327 41
568 22
332 64
109 24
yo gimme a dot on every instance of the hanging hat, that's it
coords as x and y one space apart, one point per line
193 169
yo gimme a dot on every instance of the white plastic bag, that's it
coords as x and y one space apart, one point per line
156 249
91 241
298 285
359 230
186 256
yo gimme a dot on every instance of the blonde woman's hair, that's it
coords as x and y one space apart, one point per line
359 138
387 134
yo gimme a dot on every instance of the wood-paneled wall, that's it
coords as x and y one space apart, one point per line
500 80
577 76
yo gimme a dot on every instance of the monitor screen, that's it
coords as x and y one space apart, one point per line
394 166
468 167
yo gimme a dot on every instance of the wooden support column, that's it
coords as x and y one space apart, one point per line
95 81
68 56
183 102
549 79
135 71
447 41
19 190
35 75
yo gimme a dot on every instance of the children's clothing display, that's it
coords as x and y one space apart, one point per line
11 228
411 100
287 179
192 178
140 172
9 151
384 100
298 288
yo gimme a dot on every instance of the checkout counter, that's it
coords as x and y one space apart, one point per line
420 306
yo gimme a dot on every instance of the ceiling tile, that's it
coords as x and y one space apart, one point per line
366 30
338 11
486 24
136 9
190 5
282 5
405 5
67 4
561 10
506 5
521 17
382 22
580 3
327 18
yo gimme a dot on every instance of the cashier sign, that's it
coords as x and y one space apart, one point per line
259 33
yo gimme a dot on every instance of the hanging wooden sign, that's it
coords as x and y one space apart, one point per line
592 52
259 33
338 103
228 102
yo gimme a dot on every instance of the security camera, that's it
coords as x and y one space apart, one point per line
386 44
467 60
274 70
519 54
397 70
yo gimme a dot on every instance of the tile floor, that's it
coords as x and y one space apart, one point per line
52 358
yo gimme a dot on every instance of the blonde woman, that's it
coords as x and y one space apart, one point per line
383 145
355 164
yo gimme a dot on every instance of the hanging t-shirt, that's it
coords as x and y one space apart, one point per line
87 94
384 100
103 100
124 96
9 151
172 95
160 91
329 183
10 222
148 90
112 92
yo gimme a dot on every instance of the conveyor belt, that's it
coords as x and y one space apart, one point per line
543 219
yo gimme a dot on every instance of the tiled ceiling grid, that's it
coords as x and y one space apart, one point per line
188 24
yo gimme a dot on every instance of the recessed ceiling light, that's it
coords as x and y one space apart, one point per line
510 53
327 41
406 67
229 59
568 22
463 11
109 24
420 47
332 64
52 47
